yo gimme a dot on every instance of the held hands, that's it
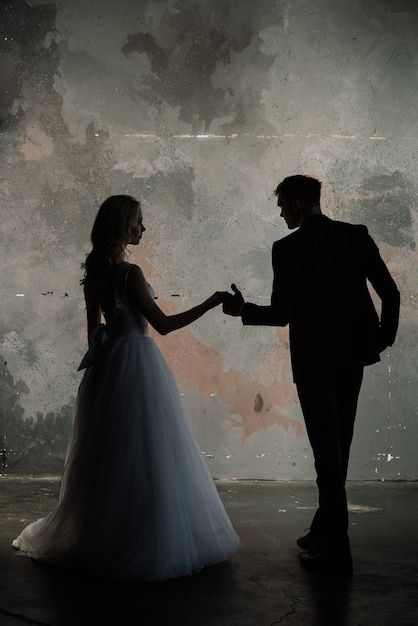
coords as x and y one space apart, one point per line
217 298
232 304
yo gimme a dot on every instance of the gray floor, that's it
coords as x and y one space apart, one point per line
262 585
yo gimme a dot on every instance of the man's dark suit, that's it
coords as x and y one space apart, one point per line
320 290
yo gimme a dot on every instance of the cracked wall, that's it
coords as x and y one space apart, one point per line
199 109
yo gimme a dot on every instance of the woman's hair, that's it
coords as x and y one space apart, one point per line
109 236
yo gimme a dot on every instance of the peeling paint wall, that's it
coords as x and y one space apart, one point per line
199 108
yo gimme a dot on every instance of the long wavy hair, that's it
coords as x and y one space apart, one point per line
109 236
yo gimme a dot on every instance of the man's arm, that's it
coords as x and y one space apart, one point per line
385 287
278 313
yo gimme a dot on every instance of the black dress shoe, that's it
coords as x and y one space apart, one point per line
338 562
310 543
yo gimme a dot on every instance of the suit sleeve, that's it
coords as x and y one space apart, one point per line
278 313
385 287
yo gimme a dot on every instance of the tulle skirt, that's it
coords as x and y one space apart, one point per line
136 498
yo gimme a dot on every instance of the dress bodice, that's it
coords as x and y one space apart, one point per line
122 317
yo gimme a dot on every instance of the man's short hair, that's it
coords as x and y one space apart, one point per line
300 187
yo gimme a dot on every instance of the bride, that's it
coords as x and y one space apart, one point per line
136 498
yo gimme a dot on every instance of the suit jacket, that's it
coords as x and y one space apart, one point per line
320 290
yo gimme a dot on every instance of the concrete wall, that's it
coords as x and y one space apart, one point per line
199 108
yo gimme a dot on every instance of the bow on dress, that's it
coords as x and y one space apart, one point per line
99 339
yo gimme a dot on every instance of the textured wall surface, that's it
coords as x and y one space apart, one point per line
199 108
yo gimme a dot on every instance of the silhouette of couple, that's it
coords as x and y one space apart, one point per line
136 498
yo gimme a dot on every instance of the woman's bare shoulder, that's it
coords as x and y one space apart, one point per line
133 267
134 273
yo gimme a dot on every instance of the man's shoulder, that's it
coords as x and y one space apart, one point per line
350 234
349 227
344 229
286 242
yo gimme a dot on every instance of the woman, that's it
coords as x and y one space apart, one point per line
136 498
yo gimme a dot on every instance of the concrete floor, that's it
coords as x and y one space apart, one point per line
262 585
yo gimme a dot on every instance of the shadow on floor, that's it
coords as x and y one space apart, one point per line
262 585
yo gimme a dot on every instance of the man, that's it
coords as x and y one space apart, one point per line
320 290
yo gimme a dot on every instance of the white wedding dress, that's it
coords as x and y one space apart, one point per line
136 499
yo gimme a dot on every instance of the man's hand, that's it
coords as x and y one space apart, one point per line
233 304
382 342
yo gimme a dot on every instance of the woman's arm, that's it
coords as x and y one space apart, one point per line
94 313
163 324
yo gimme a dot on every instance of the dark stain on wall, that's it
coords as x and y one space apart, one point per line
184 51
258 403
23 30
384 203
33 444
401 6
78 174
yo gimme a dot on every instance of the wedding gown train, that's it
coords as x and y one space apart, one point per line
136 499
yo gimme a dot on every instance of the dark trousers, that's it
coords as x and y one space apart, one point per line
329 409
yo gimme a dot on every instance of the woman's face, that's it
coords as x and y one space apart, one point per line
137 228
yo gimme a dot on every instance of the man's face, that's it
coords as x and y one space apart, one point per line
290 211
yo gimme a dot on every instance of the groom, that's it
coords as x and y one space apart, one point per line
320 290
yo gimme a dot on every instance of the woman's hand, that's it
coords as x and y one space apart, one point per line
219 297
